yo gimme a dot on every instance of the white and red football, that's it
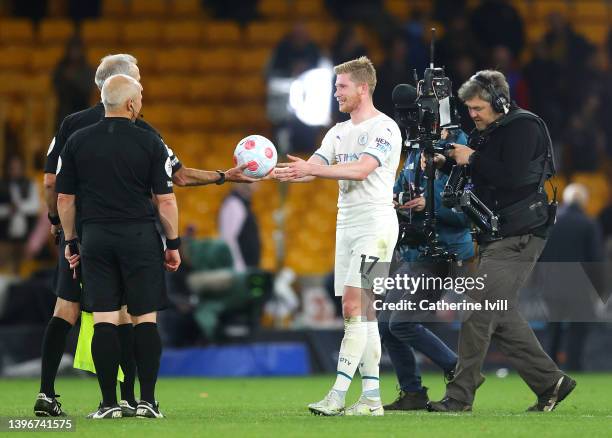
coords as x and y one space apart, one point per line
258 153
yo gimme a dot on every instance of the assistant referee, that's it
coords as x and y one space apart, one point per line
110 170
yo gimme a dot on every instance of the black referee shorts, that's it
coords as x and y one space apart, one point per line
123 263
65 286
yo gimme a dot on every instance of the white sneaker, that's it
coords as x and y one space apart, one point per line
330 406
366 406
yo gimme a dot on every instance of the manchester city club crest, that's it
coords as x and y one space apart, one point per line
363 139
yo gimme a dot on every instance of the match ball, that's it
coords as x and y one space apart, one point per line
258 153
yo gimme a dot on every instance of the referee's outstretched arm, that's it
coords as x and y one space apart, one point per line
189 177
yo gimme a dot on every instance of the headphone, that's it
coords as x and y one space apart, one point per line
499 102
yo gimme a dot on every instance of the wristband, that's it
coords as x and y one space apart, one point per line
73 245
221 179
173 243
55 220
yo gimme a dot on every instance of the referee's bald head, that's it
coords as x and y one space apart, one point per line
121 93
121 63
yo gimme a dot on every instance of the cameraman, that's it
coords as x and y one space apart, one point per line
399 332
509 161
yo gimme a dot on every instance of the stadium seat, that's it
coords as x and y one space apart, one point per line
160 116
146 56
231 117
399 9
164 88
307 9
209 88
15 58
265 34
543 8
323 32
55 31
115 8
100 31
12 84
184 32
252 117
16 31
179 60
197 117
251 88
185 8
45 58
219 33
254 61
224 144
193 141
145 32
274 9
217 60
96 53
590 11
148 8
38 85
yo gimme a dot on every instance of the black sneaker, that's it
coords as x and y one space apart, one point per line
448 404
128 409
554 395
148 410
46 406
106 413
409 401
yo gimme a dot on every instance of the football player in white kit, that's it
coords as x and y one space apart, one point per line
363 154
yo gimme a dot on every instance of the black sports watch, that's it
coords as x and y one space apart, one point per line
221 179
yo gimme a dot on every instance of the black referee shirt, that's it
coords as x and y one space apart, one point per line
82 119
112 167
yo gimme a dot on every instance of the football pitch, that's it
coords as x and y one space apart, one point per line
270 407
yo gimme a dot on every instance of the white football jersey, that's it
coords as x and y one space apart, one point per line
362 201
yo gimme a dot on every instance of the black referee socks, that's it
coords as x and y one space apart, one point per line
106 353
147 348
54 342
128 362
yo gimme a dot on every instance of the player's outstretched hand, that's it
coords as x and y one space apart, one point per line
236 175
283 173
172 260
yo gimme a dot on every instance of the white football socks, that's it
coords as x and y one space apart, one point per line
351 350
370 361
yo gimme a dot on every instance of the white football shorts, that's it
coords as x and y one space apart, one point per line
364 253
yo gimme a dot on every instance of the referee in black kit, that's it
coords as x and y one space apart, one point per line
110 169
67 288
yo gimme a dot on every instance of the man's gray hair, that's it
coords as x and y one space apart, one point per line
474 88
110 65
118 89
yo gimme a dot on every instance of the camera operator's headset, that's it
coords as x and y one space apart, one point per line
499 102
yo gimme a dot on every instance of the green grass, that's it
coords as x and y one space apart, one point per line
270 407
